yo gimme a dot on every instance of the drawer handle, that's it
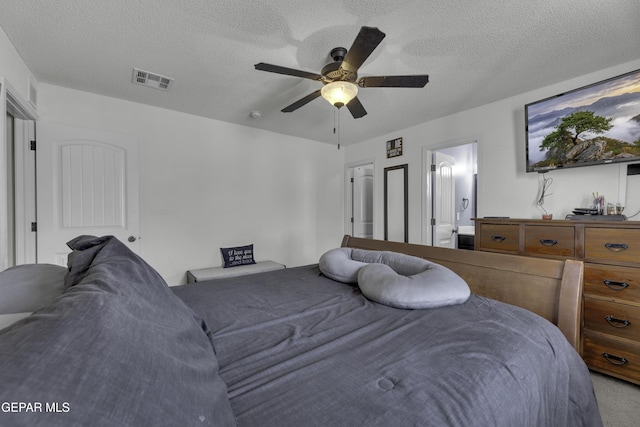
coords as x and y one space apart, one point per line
616 286
616 247
498 238
548 242
614 360
615 322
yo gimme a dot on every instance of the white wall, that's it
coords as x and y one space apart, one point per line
504 188
206 184
12 67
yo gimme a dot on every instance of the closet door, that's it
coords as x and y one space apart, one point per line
87 184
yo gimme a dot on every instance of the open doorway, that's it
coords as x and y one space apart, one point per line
17 185
359 199
450 194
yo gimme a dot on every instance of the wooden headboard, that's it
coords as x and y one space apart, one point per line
549 288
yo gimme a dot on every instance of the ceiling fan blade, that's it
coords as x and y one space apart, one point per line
356 109
366 41
394 81
299 103
287 71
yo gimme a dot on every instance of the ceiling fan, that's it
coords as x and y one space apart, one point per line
340 78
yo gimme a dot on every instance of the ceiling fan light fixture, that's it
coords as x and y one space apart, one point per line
339 93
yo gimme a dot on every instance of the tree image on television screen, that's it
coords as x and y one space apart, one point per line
577 138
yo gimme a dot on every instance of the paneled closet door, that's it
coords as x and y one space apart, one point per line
87 184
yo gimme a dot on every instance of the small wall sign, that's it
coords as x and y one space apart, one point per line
394 148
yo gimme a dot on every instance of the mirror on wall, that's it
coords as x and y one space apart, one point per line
396 196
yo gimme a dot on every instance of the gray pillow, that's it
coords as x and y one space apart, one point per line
343 264
29 287
118 348
401 263
338 265
412 283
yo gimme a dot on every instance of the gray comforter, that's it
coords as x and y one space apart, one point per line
298 349
117 348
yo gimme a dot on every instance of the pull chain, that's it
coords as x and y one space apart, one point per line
336 124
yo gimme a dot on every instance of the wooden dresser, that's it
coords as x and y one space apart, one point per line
611 254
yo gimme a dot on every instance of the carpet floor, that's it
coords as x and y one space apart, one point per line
619 401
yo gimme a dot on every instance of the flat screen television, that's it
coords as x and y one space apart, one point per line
594 124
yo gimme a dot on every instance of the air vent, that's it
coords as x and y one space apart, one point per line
146 78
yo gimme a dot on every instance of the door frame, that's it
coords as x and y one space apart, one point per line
427 189
13 103
405 200
348 193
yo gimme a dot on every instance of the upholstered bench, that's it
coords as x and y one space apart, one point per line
221 272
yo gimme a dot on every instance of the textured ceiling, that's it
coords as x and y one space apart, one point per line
475 52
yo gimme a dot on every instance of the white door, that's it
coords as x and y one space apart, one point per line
444 231
25 191
87 183
362 201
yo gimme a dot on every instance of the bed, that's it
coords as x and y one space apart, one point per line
295 347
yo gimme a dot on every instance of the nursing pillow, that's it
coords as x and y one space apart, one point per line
338 264
395 279
434 286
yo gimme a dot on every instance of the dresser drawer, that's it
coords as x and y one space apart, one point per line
612 355
612 282
499 237
612 318
612 245
541 240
